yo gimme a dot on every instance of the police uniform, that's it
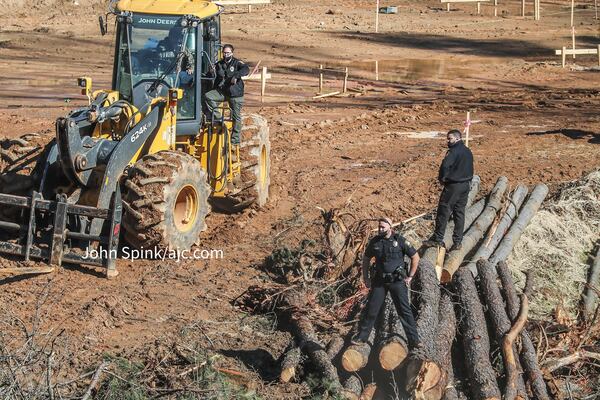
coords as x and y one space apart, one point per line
456 172
388 275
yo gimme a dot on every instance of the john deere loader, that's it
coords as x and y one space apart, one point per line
145 160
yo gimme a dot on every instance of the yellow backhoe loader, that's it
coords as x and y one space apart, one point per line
144 161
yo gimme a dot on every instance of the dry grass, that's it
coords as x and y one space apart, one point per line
556 245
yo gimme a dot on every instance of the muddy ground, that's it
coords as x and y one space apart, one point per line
377 148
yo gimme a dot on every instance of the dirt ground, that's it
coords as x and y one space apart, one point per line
377 148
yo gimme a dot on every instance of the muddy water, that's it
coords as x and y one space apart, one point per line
410 68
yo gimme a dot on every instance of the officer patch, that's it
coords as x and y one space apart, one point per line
231 68
395 243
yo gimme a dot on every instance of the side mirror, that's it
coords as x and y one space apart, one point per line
103 27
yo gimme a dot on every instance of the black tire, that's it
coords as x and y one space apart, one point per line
18 175
165 198
255 151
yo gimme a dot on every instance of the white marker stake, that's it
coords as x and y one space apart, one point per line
573 34
377 18
263 83
572 11
467 126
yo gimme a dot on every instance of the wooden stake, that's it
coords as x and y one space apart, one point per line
599 55
495 8
478 8
467 128
573 35
320 96
376 70
249 8
596 7
522 8
263 83
536 9
377 18
448 7
572 11
345 87
564 56
26 270
321 79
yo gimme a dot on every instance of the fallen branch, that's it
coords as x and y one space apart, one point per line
510 362
95 380
528 354
556 364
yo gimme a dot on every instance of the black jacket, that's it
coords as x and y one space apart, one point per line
226 71
457 166
389 253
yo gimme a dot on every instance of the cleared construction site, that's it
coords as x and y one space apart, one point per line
147 251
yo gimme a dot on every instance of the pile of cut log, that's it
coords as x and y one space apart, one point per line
469 316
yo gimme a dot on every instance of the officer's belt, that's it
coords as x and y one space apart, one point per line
391 277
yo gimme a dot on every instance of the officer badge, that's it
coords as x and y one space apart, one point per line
231 68
395 243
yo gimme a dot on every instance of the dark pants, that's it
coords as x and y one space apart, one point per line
399 292
453 200
214 98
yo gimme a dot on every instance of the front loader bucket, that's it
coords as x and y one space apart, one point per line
52 242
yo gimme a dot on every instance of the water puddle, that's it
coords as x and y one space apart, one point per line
410 68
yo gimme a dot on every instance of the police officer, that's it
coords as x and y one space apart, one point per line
388 275
456 173
229 86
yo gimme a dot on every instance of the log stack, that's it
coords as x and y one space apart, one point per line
465 320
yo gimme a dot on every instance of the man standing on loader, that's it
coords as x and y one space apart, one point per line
389 274
229 86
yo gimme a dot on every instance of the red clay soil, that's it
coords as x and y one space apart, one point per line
533 121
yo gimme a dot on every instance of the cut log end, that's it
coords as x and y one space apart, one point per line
352 388
287 374
421 376
392 355
348 395
369 392
355 357
428 377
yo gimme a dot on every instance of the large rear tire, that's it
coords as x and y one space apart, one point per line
252 187
165 198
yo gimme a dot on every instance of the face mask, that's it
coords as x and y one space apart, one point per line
228 56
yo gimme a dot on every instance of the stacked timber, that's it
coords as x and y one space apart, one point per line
466 308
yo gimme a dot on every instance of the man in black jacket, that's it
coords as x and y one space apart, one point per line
455 175
229 86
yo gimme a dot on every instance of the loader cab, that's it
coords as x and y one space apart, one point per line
154 53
